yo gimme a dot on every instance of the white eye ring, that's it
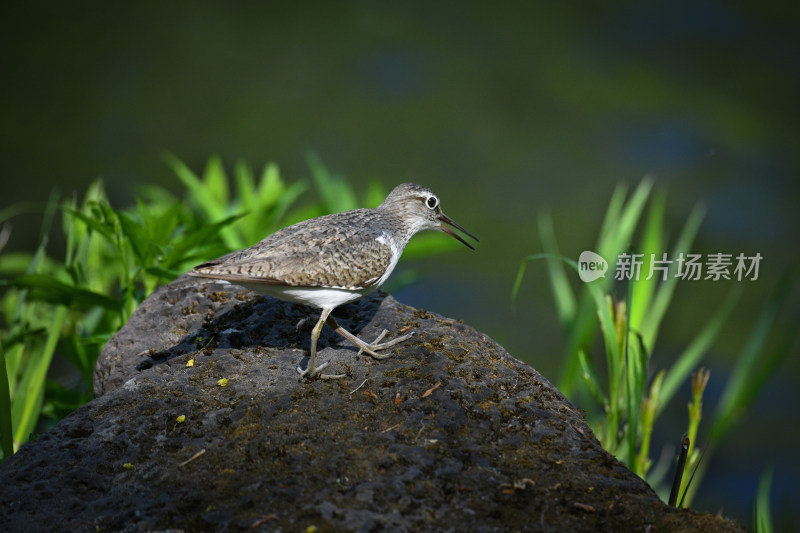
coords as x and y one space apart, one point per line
432 202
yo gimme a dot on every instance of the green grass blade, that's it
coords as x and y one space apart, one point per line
46 288
691 356
650 325
93 224
198 192
697 474
14 263
215 182
159 222
285 202
271 187
615 235
27 402
250 229
580 333
155 194
612 216
6 436
634 382
74 348
136 236
619 231
605 310
15 357
590 378
18 209
762 515
60 401
71 232
518 281
652 246
521 272
632 212
559 284
49 214
246 191
647 416
337 195
185 245
752 367
690 488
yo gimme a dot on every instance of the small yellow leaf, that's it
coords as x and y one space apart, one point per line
430 391
190 362
181 419
223 382
127 466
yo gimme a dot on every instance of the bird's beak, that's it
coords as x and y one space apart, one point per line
447 220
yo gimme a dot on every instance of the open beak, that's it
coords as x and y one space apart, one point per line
447 220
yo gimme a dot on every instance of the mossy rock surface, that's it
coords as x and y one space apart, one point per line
451 433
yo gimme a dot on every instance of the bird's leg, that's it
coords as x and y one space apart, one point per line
370 348
312 370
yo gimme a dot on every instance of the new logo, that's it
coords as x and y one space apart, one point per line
591 266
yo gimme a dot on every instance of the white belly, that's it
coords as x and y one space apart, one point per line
320 297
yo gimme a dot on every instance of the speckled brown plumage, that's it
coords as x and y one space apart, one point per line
340 250
328 261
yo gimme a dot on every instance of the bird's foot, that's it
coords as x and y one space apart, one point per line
315 373
376 345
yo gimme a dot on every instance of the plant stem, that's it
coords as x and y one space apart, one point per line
678 481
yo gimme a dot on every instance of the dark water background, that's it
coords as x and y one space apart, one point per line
504 110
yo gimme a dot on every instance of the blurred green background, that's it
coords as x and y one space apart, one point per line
503 110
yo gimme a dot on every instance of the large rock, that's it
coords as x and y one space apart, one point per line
451 433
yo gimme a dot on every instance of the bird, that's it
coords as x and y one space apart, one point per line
327 261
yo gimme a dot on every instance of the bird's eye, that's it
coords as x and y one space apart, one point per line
432 202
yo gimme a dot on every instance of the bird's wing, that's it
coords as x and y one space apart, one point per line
309 255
